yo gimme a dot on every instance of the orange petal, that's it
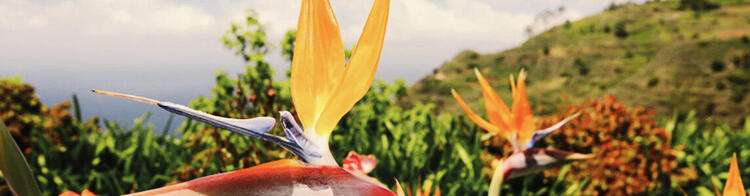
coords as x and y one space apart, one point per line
86 192
526 131
360 71
497 111
399 190
318 62
522 117
734 187
69 193
474 117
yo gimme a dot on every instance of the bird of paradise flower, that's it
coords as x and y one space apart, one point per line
516 124
324 88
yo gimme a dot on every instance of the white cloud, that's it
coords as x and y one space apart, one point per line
153 17
111 17
421 33
171 47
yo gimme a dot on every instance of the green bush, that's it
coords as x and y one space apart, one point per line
582 67
717 66
620 29
412 144
68 154
707 147
740 81
698 5
653 81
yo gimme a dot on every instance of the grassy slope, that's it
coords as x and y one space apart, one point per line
673 50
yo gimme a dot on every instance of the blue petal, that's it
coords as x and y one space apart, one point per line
539 134
256 127
295 140
295 134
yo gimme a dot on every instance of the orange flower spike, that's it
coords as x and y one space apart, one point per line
733 186
474 117
497 111
515 124
318 61
360 70
522 116
324 88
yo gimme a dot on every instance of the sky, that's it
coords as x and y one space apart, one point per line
169 50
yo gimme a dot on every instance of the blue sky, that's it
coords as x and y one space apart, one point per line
169 50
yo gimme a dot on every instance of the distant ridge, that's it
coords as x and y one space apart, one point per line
661 55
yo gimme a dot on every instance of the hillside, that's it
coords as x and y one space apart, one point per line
654 55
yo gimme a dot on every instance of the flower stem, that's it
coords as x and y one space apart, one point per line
497 180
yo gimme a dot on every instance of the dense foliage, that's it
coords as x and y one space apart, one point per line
627 144
425 151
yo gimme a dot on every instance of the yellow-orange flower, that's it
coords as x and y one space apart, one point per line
323 87
515 123
323 90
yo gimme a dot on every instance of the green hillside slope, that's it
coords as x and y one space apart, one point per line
655 55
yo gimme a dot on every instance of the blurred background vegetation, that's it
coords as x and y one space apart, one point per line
662 88
668 56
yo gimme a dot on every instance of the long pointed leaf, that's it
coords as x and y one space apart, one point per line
16 170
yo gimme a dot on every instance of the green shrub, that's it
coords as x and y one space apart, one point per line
707 147
412 144
582 67
67 154
620 29
472 66
697 5
653 81
740 85
720 85
499 59
717 66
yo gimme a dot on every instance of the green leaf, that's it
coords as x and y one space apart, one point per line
15 169
464 156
